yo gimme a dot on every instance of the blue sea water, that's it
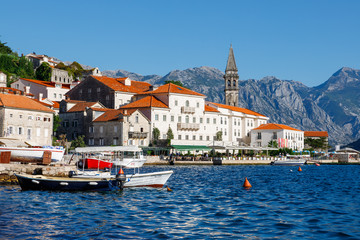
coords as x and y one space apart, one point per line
207 202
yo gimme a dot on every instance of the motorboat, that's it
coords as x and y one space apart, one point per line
290 160
26 154
40 182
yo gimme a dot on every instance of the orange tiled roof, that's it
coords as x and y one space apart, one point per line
56 104
117 84
316 134
210 109
22 102
113 114
275 126
81 106
238 109
45 83
146 102
173 88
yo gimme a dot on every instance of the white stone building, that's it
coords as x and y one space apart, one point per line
25 119
42 89
3 78
284 136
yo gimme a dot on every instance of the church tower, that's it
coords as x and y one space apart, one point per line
231 81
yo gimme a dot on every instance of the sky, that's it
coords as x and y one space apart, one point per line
301 40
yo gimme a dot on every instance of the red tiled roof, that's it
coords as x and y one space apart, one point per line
56 104
238 109
117 84
210 109
316 134
146 102
45 83
173 88
80 107
22 102
113 114
275 126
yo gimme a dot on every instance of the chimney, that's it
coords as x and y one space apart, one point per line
125 112
40 96
27 89
127 82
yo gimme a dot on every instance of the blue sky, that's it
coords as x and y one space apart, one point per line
302 40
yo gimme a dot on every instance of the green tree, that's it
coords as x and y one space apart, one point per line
56 122
5 49
219 136
78 142
156 134
43 72
179 83
169 135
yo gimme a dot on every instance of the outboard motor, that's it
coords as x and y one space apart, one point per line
120 178
71 173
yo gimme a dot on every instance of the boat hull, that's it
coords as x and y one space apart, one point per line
39 182
93 163
288 163
32 154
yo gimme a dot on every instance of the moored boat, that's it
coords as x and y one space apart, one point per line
40 182
290 161
24 154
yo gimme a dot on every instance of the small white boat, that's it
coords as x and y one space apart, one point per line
290 161
33 154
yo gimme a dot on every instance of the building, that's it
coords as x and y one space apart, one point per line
74 118
284 136
119 128
3 80
61 76
111 92
93 71
231 78
37 60
317 135
42 89
25 119
192 120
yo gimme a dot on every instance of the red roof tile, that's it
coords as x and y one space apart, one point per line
21 102
238 109
113 114
275 126
146 102
80 107
210 109
47 84
117 84
173 88
316 134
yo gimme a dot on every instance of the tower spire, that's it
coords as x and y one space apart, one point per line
231 64
231 78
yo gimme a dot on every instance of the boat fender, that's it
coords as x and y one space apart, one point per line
71 174
80 164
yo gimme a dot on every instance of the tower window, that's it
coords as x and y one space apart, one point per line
229 83
234 83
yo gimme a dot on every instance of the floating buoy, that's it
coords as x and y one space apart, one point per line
290 170
247 184
121 171
168 189
317 164
299 169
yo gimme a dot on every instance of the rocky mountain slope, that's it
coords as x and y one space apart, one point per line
333 106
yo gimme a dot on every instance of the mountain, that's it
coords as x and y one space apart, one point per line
333 106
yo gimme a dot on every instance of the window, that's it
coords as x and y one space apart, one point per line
179 137
194 119
201 138
186 137
101 129
75 123
197 104
30 117
91 141
29 133
107 97
187 119
39 119
194 137
214 120
89 90
10 131
221 121
115 141
156 117
172 118
274 135
176 102
98 90
20 131
11 115
179 119
201 120
115 128
20 116
235 122
208 120
225 121
60 96
229 83
137 118
101 142
187 104
54 95
46 132
164 118
38 130
91 129
259 135
207 138
80 91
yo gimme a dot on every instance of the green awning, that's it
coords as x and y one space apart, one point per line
190 147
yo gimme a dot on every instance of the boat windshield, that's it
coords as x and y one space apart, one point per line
128 154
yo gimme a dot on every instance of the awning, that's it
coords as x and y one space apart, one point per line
190 147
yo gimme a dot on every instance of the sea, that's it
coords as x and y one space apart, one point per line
206 202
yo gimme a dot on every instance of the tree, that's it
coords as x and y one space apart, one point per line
219 136
44 72
78 142
169 135
179 83
156 134
56 122
5 49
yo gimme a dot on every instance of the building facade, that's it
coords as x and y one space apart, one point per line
284 136
3 80
25 119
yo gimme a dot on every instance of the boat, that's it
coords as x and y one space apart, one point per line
40 182
290 160
120 156
123 157
93 163
153 179
25 154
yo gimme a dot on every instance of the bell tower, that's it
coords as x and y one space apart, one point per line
231 81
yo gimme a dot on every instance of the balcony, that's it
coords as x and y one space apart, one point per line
187 110
188 126
139 135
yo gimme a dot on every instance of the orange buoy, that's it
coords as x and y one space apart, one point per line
121 171
317 164
247 183
299 169
168 189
